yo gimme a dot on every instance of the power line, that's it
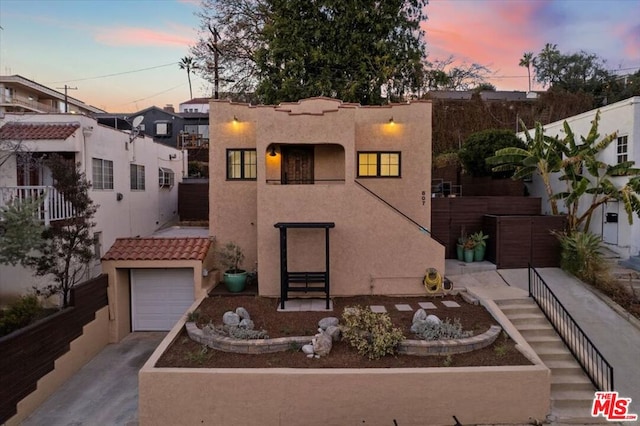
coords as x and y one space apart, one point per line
113 75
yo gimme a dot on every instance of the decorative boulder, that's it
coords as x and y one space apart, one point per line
322 344
433 319
246 323
230 318
242 313
335 332
325 323
420 315
417 325
307 349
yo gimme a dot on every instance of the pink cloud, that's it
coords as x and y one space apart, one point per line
129 36
494 34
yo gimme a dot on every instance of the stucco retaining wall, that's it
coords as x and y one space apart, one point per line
282 396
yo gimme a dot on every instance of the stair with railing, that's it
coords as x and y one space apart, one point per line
571 390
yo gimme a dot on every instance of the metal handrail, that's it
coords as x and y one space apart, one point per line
597 368
394 208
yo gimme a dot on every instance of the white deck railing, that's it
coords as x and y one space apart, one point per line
53 206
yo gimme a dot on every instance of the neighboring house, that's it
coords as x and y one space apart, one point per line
187 129
18 94
610 221
195 105
321 162
134 180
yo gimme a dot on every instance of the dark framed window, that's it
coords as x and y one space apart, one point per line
242 164
379 164
163 129
137 177
623 147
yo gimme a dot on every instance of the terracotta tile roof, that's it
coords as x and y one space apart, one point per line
31 131
188 248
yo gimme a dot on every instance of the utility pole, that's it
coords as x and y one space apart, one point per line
213 47
66 97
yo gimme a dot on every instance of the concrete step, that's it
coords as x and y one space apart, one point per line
527 319
571 381
508 308
531 332
545 344
564 367
555 354
573 398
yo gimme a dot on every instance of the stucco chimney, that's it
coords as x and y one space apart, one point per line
169 108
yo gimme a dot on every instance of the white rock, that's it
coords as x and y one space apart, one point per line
230 318
420 315
308 349
242 313
325 323
433 319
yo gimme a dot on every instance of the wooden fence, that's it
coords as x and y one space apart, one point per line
518 234
193 201
29 354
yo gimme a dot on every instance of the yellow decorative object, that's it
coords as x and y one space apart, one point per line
432 281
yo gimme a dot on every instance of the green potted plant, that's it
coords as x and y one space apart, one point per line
480 245
230 257
469 246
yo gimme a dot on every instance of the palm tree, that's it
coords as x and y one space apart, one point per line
188 63
527 61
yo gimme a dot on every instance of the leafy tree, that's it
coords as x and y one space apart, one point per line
581 170
574 72
527 61
441 74
67 248
188 63
360 51
588 177
240 24
484 144
20 230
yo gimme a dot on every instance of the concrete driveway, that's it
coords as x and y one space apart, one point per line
104 391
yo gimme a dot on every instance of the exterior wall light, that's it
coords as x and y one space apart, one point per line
272 151
235 119
391 121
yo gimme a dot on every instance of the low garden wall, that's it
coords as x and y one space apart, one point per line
40 357
416 396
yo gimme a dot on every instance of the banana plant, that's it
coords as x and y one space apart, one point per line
542 156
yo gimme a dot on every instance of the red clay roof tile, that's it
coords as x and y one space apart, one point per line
185 248
33 131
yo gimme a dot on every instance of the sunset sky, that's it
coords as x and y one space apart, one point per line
122 55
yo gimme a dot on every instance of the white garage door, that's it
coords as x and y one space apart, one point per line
159 297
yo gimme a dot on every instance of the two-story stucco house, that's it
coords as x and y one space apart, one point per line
134 180
610 221
346 186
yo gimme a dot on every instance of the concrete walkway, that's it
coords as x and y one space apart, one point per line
617 338
104 391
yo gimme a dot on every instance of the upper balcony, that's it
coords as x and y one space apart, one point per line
53 206
25 103
192 141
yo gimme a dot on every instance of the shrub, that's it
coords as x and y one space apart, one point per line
581 256
20 313
372 334
482 145
445 330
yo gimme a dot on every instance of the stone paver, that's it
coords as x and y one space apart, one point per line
450 304
404 308
378 309
427 305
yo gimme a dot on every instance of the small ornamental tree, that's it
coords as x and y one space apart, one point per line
67 247
20 230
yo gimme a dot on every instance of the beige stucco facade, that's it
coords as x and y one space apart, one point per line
374 249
